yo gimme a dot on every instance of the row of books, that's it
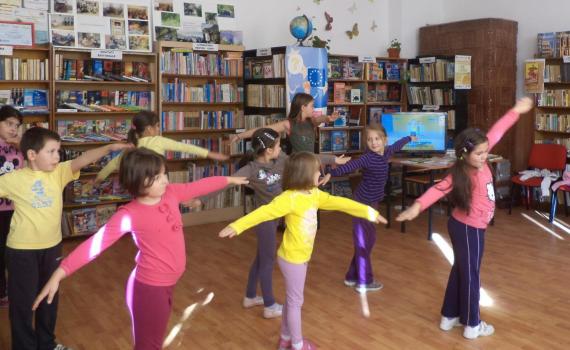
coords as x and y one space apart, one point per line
183 91
339 141
272 96
345 68
440 70
102 100
86 221
273 67
425 95
28 101
383 93
258 121
15 68
69 154
83 191
557 73
102 130
346 92
339 188
174 121
552 122
553 98
97 69
231 197
214 144
553 44
348 116
384 71
211 64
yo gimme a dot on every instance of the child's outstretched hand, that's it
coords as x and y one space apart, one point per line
218 156
523 105
227 232
381 220
234 138
331 118
50 288
410 213
238 180
119 146
324 179
341 160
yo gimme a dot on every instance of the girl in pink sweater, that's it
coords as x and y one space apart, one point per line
470 189
155 222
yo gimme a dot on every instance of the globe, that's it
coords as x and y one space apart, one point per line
301 28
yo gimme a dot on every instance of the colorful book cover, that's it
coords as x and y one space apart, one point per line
104 213
84 221
338 140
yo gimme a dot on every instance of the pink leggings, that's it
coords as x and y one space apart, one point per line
294 275
150 308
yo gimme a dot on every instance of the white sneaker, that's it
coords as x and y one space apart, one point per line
349 283
448 323
251 302
482 329
273 311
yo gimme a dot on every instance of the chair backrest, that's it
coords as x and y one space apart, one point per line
547 156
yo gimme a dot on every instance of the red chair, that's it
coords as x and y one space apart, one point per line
542 156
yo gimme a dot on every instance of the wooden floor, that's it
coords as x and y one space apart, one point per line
525 271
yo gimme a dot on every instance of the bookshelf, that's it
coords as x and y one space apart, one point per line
552 111
201 102
25 82
92 102
430 87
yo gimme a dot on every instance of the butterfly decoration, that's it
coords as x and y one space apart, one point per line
352 8
354 32
318 2
374 26
329 21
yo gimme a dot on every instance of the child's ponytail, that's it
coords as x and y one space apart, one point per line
141 121
261 140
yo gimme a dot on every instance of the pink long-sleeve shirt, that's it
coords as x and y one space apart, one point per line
156 230
483 192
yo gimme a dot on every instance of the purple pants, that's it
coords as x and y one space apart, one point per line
150 308
262 267
462 293
364 238
294 276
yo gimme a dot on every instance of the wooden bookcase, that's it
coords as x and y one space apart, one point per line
431 87
552 111
33 76
69 85
202 105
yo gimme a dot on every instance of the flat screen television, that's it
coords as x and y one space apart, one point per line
429 127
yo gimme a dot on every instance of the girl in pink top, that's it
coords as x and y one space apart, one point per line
155 222
470 189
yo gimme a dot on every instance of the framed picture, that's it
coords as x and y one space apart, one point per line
17 33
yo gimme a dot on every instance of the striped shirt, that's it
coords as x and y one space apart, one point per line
374 172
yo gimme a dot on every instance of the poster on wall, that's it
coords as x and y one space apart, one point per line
307 72
101 24
462 78
534 76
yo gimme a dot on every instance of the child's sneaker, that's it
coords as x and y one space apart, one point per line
307 345
4 303
284 344
349 283
448 323
251 302
273 311
482 329
61 347
370 287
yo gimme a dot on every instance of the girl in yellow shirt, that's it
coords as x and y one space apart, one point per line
298 204
145 133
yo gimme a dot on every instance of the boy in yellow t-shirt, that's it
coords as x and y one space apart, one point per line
34 242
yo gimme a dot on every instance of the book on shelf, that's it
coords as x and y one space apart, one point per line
27 101
104 212
197 63
345 68
99 100
101 130
16 68
84 221
375 71
355 96
392 71
339 92
342 116
204 120
265 96
338 140
341 188
99 70
266 67
184 91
